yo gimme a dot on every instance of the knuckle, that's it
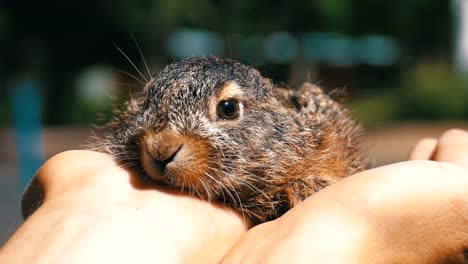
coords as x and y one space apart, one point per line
453 134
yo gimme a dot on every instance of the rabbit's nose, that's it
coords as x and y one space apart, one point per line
166 151
163 146
163 156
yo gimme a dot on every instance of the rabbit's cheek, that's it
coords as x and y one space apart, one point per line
188 167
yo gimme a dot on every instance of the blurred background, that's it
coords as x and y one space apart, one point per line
403 67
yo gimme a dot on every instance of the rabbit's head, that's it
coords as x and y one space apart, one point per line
218 129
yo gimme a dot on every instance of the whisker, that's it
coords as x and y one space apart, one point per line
242 207
131 75
131 62
213 178
127 84
208 193
141 54
221 187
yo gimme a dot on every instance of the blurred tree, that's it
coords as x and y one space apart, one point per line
435 91
79 34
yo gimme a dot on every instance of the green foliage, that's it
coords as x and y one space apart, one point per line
6 112
428 91
75 36
335 13
376 110
86 112
435 91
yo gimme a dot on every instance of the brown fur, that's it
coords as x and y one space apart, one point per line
284 146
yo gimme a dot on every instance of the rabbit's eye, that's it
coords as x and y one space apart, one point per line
228 109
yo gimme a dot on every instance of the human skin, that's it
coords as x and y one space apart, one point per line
94 212
409 212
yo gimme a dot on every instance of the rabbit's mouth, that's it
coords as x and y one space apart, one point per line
179 163
162 169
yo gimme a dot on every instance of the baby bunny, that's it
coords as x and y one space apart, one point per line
217 129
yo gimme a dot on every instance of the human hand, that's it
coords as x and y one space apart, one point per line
96 212
376 216
409 212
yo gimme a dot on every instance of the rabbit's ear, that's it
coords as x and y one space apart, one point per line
308 98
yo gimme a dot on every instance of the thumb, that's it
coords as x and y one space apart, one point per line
453 147
55 175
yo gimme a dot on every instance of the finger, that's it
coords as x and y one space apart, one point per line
424 149
453 147
60 170
50 177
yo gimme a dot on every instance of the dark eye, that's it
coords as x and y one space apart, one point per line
228 109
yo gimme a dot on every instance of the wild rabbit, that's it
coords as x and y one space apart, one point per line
216 128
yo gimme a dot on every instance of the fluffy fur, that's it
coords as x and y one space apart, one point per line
285 145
